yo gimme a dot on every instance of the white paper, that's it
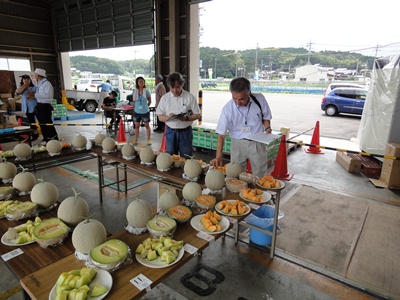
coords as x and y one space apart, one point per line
263 137
12 254
141 282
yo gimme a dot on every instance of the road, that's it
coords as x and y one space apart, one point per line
298 112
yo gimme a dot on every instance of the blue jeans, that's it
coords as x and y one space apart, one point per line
179 141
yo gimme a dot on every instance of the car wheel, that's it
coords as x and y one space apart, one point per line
90 106
331 110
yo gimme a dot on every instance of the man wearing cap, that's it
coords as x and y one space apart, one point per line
159 91
44 94
105 89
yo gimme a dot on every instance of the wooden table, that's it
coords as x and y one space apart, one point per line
11 136
39 284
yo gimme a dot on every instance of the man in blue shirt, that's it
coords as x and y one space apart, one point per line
104 89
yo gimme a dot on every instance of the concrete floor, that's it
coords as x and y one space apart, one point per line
225 270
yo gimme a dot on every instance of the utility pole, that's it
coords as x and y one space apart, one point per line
376 50
216 68
270 65
255 65
309 45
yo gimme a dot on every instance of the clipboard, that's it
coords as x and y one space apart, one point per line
173 117
261 137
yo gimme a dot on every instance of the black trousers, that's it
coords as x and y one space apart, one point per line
32 120
43 114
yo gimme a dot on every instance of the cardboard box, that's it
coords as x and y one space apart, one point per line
350 162
390 175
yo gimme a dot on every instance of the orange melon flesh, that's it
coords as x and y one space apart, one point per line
206 200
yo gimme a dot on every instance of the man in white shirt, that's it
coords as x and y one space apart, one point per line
244 115
44 94
159 91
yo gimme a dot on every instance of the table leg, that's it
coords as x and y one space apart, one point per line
275 227
125 179
100 172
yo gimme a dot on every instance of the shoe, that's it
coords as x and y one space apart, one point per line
148 142
158 130
135 142
142 125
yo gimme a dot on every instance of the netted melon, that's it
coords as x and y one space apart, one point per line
161 226
45 194
24 182
88 234
22 150
108 144
191 190
79 141
128 150
147 155
180 213
167 200
192 168
214 180
233 169
50 232
53 147
99 138
7 170
73 210
164 161
138 213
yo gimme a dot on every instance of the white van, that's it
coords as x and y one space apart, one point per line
335 85
123 85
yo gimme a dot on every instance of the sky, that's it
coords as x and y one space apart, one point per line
370 28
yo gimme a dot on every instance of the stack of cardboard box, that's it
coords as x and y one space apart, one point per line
390 175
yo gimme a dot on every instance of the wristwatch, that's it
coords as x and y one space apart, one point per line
268 128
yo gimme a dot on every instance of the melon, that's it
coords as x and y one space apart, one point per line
128 150
164 161
192 168
79 141
24 182
6 192
45 194
53 147
21 210
161 226
98 290
108 144
50 232
98 139
7 170
22 150
138 213
73 210
233 169
167 200
205 201
88 234
109 255
180 213
214 180
191 190
147 155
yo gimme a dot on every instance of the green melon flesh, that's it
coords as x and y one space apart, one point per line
162 223
6 191
50 228
109 252
21 210
98 290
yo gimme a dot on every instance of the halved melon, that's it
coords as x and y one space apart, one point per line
205 201
180 213
50 232
21 210
110 254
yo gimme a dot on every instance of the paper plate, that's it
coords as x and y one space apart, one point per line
272 189
196 224
22 127
232 215
157 263
7 242
265 198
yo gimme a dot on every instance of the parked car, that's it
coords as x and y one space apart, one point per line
344 100
88 84
208 84
335 85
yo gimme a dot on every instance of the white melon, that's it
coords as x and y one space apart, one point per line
53 146
164 161
45 194
99 138
88 234
192 168
215 180
22 150
73 210
138 213
191 190
24 182
108 144
79 141
128 150
168 200
147 155
7 170
233 170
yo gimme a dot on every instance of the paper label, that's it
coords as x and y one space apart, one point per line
190 249
253 206
205 236
12 254
141 282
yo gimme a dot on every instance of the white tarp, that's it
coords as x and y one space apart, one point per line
378 119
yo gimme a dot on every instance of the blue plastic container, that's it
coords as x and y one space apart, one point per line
260 238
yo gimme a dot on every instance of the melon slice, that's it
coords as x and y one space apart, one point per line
161 226
180 213
21 210
50 232
110 254
6 192
98 290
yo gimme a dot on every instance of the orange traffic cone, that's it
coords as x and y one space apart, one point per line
163 147
248 167
20 122
315 141
280 170
121 132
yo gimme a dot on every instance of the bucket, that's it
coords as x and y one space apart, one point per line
265 215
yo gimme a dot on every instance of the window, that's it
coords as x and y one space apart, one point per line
14 64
